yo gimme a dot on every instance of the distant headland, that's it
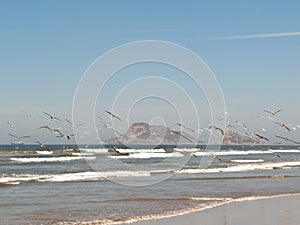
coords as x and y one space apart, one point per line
144 134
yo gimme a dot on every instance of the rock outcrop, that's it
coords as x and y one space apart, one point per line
232 138
143 133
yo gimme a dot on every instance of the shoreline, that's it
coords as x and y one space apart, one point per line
219 211
275 210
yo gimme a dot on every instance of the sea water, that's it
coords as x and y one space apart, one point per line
73 185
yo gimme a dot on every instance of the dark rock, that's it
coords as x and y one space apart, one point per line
143 133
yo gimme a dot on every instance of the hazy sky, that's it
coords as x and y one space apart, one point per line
253 48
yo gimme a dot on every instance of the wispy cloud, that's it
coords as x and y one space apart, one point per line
158 30
254 36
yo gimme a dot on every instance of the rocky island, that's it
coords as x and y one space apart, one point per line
145 134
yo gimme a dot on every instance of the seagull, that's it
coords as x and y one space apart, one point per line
286 139
46 127
11 125
274 153
238 123
180 134
107 125
120 134
19 137
52 117
28 114
42 145
273 113
113 115
245 127
118 152
217 157
217 128
187 128
261 137
74 124
283 125
256 115
62 134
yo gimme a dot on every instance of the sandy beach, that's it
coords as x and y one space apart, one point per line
278 210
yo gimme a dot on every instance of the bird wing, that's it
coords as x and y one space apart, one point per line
113 115
217 128
56 118
26 136
280 137
69 121
268 111
46 127
117 117
58 131
12 135
277 111
265 138
40 143
286 127
47 114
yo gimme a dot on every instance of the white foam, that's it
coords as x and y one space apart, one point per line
132 150
186 149
148 155
287 151
222 152
241 168
51 159
247 160
20 177
94 150
82 154
44 152
80 176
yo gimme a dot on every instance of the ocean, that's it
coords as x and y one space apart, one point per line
73 185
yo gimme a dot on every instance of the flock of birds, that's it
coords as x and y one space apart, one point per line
254 135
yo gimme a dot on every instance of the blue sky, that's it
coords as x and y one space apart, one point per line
47 45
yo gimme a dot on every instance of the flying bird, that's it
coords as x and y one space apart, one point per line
113 115
274 153
27 114
180 134
52 117
217 128
42 145
273 113
286 139
187 128
74 124
46 127
107 125
67 136
283 125
217 157
11 125
261 137
118 152
19 137
120 134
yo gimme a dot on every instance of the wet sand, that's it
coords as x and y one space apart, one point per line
279 210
